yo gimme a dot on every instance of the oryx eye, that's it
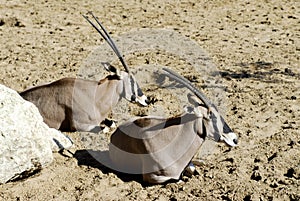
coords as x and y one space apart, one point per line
210 114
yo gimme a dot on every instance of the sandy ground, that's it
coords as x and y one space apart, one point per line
255 48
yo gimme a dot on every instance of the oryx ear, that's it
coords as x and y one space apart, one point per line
193 110
188 109
110 68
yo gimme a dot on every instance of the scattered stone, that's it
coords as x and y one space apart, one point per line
2 22
288 71
272 157
247 198
11 22
290 173
256 176
257 160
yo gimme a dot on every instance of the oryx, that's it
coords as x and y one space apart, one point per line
161 149
71 104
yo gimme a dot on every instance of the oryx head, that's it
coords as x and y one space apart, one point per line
131 90
214 124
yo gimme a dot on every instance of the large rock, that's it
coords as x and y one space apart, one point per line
26 142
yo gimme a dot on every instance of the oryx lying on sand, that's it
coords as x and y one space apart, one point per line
71 104
161 149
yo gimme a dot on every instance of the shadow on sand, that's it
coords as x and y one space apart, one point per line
97 159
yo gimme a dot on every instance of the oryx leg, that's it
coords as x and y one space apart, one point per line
156 179
96 129
54 118
84 121
107 125
190 170
87 127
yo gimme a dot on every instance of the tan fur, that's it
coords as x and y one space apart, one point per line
71 104
159 150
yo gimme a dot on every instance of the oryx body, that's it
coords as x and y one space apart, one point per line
161 149
71 104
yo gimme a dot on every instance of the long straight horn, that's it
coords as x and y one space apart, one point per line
189 85
108 39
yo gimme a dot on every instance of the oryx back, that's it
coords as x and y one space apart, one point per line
71 104
51 100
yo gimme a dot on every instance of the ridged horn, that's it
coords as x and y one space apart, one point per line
189 85
108 39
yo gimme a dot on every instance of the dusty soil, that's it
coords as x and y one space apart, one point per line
253 44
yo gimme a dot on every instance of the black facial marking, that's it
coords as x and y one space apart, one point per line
132 87
140 93
226 128
204 134
214 119
133 98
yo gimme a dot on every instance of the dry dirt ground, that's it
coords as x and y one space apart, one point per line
255 47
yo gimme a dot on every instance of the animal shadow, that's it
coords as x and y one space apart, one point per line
101 160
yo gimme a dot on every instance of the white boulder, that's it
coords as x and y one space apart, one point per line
26 142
